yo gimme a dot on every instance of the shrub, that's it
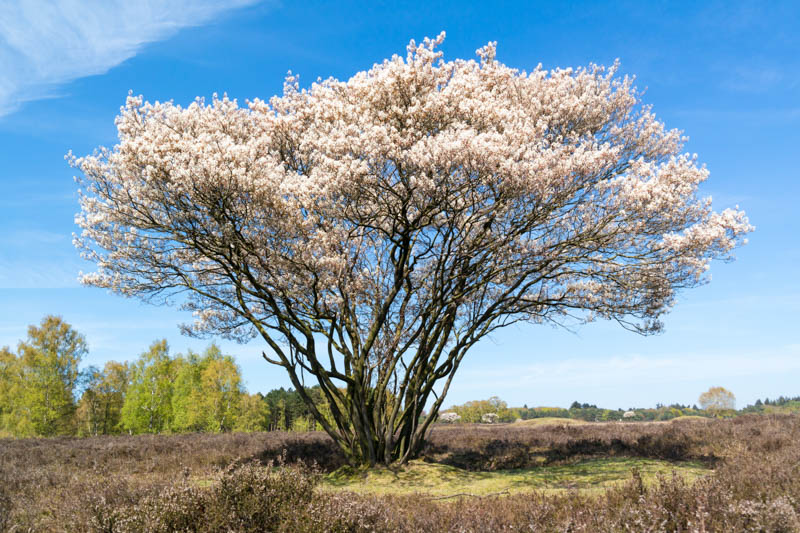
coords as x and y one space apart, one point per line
449 417
175 483
489 418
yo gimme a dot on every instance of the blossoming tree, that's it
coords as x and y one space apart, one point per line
371 231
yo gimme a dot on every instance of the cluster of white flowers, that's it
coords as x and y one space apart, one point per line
467 185
449 417
489 418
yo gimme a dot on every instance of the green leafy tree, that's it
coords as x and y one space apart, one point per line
46 378
9 378
87 415
187 409
278 417
473 411
113 389
253 414
222 390
148 403
100 406
206 393
286 406
283 416
303 423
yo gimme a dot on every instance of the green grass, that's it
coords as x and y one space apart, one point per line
442 480
551 421
689 417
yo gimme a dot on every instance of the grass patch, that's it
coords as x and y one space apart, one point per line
443 480
551 421
689 417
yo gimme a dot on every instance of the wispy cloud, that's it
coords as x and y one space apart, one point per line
44 44
28 236
23 273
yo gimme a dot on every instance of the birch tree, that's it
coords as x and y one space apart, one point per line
44 400
148 401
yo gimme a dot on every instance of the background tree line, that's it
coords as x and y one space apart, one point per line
715 402
43 392
474 411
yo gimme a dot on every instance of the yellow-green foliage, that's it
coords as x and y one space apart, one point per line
547 410
472 412
304 424
100 407
253 413
443 480
786 409
37 385
148 402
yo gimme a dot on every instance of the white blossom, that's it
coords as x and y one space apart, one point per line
402 215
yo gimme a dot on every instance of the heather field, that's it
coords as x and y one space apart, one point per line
739 474
402 267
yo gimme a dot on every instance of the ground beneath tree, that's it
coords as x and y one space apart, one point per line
439 480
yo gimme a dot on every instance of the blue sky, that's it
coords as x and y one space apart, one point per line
727 73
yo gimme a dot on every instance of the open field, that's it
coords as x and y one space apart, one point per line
548 421
687 475
433 479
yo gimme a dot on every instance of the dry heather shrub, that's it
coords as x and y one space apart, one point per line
778 515
173 483
511 446
5 506
174 508
254 498
243 498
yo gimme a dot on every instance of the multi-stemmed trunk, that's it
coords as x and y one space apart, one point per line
372 425
401 216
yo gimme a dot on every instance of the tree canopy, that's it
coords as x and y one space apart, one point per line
371 231
717 400
43 392
38 383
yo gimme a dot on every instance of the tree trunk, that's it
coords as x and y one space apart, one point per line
371 440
